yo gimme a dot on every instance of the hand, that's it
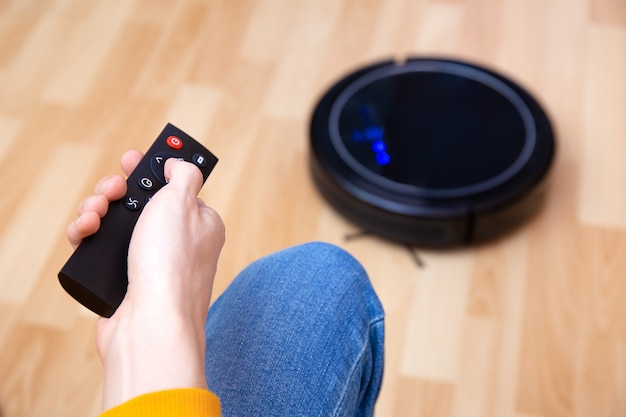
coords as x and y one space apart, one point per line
155 339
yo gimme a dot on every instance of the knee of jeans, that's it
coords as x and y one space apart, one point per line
318 272
324 266
328 256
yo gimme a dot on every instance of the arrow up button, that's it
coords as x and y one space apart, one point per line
157 165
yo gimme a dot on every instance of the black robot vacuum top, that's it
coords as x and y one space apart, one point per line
431 152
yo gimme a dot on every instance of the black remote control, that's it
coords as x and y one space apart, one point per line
96 273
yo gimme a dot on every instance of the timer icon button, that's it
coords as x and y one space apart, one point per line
146 183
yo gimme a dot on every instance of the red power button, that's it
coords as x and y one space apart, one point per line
174 142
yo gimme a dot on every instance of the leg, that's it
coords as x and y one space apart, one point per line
297 333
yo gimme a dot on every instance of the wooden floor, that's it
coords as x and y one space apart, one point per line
533 325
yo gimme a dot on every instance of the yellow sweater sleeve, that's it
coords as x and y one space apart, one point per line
188 402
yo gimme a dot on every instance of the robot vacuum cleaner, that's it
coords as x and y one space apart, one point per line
431 152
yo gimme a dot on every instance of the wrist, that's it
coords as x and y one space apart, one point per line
147 350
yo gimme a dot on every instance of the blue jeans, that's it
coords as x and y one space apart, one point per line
297 333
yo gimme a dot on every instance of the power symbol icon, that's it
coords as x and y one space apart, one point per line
174 142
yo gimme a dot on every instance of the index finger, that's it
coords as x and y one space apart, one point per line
129 161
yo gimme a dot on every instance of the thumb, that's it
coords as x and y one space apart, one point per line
183 176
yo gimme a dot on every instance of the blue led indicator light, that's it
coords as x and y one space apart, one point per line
379 146
383 158
374 133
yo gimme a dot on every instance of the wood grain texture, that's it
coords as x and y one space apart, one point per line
533 325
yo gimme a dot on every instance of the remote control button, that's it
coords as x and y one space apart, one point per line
132 203
157 164
174 142
199 160
146 183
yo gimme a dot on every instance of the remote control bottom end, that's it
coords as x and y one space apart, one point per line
86 297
